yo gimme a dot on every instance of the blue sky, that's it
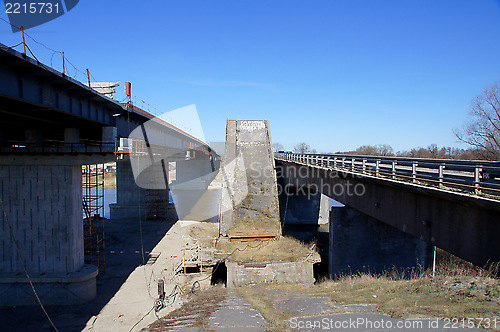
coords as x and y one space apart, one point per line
333 74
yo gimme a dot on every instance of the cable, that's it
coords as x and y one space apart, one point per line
225 258
6 48
24 265
140 320
160 303
46 47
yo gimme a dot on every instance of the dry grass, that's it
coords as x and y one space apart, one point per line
205 233
284 249
458 290
458 296
259 225
194 313
256 214
262 300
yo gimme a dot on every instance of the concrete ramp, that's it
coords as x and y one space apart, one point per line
249 204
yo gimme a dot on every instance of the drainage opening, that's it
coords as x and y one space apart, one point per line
219 274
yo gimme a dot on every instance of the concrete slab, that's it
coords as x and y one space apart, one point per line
305 305
237 315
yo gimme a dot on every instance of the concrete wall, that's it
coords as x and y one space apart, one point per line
281 272
361 243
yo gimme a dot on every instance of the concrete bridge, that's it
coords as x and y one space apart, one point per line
51 125
397 209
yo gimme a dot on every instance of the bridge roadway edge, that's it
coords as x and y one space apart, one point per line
466 226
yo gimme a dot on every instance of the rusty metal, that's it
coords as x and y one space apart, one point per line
253 237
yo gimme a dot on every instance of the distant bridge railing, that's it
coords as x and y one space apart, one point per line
57 147
475 177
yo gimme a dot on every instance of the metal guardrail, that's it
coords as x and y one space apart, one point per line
57 147
457 175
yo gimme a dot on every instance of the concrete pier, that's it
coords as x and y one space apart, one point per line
42 197
143 195
249 202
130 198
360 243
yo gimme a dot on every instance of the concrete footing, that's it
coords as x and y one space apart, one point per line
52 289
269 272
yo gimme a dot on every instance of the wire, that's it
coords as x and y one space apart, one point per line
6 48
160 303
46 47
140 320
24 265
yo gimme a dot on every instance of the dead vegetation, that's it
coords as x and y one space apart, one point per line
194 313
205 233
457 290
284 249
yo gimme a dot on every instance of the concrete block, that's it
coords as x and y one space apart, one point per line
269 272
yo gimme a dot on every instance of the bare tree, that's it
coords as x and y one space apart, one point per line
483 130
278 147
301 148
375 150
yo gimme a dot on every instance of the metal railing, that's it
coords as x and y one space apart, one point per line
457 175
57 147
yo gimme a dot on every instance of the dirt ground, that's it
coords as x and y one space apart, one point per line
127 291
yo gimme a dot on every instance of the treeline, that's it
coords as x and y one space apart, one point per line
432 151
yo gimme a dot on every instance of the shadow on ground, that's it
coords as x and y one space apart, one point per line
123 255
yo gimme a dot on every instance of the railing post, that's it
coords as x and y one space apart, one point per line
343 162
440 175
377 167
394 169
414 171
364 165
335 161
328 160
352 164
477 171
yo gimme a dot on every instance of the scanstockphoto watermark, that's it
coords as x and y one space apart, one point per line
363 323
338 189
303 172
324 184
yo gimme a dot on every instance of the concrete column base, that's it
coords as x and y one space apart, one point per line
360 243
117 211
52 289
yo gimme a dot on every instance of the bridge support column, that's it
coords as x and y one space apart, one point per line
300 207
134 196
195 197
42 197
130 198
359 242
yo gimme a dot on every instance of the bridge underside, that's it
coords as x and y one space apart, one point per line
463 225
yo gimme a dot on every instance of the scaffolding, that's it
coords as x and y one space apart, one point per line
93 212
